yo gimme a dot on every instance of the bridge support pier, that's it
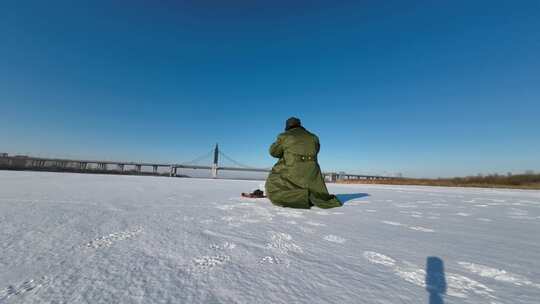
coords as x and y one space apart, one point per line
214 171
121 167
138 168
216 161
59 164
172 171
331 177
154 169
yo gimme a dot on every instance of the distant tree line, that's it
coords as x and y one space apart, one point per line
521 181
496 179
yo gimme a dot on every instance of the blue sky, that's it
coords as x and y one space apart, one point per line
427 89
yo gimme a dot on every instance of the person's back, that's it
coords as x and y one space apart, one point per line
296 180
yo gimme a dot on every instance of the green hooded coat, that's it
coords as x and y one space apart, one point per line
296 180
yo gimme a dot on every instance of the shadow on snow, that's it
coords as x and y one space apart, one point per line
344 198
435 280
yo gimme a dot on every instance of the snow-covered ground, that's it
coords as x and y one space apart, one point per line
75 238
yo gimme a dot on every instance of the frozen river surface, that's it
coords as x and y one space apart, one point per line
74 238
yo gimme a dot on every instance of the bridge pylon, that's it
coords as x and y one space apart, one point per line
216 161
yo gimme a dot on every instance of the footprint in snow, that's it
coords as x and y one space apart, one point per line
416 214
415 228
108 240
482 219
379 258
282 243
423 229
498 274
335 239
391 223
205 263
224 246
271 260
316 224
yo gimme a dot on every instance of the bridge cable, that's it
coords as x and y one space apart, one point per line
198 159
241 165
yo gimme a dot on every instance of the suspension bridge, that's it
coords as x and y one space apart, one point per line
25 162
215 167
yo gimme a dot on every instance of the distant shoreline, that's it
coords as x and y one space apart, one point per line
127 173
522 181
87 171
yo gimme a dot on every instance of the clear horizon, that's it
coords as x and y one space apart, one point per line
425 89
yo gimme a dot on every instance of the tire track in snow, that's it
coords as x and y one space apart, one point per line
23 288
34 284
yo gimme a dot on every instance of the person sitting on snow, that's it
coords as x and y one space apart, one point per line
296 180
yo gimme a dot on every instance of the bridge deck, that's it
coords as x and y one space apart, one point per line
42 163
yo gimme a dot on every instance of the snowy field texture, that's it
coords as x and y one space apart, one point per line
76 238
